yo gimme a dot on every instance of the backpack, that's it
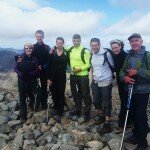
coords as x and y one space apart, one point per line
82 56
106 60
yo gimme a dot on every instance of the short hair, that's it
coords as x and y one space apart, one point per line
28 45
60 38
116 41
76 36
95 40
39 32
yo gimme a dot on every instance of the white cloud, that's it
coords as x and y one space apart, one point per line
17 23
23 4
142 4
134 23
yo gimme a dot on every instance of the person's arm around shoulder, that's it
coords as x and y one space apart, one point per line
87 58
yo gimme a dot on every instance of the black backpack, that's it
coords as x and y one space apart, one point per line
82 56
112 68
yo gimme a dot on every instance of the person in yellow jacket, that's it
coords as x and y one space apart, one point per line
79 61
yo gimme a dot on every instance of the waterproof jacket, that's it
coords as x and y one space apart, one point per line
141 62
27 69
76 61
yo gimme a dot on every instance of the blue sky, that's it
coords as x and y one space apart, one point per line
105 19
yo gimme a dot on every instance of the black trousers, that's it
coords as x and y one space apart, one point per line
58 94
81 91
44 94
123 95
28 89
139 116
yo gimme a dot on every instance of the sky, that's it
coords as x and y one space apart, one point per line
104 19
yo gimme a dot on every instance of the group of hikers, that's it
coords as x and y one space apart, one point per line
40 63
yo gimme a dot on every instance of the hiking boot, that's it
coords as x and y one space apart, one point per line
131 140
100 120
106 128
75 112
118 130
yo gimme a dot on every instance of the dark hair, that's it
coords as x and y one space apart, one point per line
76 36
60 38
117 42
95 40
39 32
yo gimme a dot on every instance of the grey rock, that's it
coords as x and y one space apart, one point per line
81 137
39 117
42 142
2 142
3 119
1 97
80 120
4 128
75 118
3 106
66 138
106 148
43 136
19 140
29 145
4 136
14 123
114 143
42 148
56 146
28 135
36 133
82 127
148 138
11 146
12 105
52 121
12 135
57 129
10 115
129 146
95 145
68 147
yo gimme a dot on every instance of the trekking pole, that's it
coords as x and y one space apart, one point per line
48 103
128 106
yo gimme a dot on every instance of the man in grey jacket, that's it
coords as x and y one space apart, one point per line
102 81
136 70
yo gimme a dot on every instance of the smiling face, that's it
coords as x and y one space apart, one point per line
136 43
95 46
59 44
39 37
116 48
76 42
28 49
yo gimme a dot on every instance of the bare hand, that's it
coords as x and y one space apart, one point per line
132 72
129 80
40 68
49 82
77 70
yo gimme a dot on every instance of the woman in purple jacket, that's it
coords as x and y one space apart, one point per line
27 71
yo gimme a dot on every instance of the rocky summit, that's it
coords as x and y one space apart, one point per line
72 134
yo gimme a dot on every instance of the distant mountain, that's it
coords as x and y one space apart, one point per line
7 61
11 49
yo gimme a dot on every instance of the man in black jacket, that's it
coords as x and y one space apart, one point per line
41 52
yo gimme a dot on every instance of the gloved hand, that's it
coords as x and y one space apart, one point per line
132 72
129 80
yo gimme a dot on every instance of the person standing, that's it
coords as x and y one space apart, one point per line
136 71
119 56
79 60
27 70
102 78
57 65
41 52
